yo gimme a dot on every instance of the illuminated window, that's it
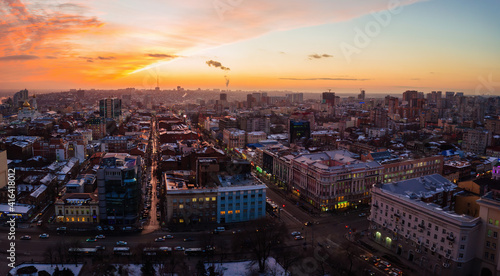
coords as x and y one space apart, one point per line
72 219
181 220
207 199
229 212
181 206
237 211
194 199
222 213
213 198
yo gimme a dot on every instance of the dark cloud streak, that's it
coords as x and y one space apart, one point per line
19 57
217 65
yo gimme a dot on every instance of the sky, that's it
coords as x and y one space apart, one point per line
380 46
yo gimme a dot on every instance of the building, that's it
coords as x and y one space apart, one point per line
488 249
110 108
234 138
328 98
299 129
77 208
97 126
3 169
28 111
476 141
119 187
333 180
239 199
413 219
396 170
255 137
235 199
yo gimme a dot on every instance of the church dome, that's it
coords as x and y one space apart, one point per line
26 104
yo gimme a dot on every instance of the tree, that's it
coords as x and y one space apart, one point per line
50 254
200 269
261 238
147 269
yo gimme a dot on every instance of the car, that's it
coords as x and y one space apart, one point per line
99 228
111 228
105 228
188 239
168 237
397 270
179 248
26 237
44 236
39 223
100 248
364 257
160 239
91 240
298 238
100 236
296 233
121 243
308 223
362 215
385 263
375 259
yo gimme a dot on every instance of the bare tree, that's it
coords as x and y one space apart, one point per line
261 238
50 254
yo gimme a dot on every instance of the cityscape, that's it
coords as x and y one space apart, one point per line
235 138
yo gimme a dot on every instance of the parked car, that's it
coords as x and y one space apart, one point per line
44 236
121 243
298 238
308 223
188 239
160 239
179 248
100 236
91 240
362 215
296 233
168 237
100 247
26 237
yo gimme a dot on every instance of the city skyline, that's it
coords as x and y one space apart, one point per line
297 46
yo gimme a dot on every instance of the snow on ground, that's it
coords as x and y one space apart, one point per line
50 269
246 268
133 269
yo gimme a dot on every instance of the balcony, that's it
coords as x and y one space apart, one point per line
450 238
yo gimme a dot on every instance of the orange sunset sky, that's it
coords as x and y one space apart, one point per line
380 46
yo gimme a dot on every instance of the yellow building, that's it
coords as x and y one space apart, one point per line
78 208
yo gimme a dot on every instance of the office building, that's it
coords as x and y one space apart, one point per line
299 130
110 108
119 187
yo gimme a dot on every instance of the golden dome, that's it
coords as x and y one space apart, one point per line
26 104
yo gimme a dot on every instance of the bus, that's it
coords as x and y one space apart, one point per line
193 251
164 250
150 251
122 251
83 251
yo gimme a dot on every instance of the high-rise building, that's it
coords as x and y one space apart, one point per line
299 129
361 95
119 187
19 98
223 97
110 108
476 141
328 98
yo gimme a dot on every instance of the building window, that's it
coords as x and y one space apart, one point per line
490 233
222 213
461 255
486 255
492 257
490 221
462 247
487 244
459 265
213 198
194 199
495 234
464 238
181 206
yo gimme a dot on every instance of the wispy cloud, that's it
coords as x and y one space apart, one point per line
316 56
323 79
18 57
162 55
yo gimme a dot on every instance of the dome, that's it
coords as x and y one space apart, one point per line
26 104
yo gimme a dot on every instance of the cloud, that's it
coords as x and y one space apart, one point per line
162 55
217 64
105 58
316 56
18 57
321 79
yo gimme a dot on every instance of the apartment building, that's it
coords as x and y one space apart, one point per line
234 138
488 247
413 219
